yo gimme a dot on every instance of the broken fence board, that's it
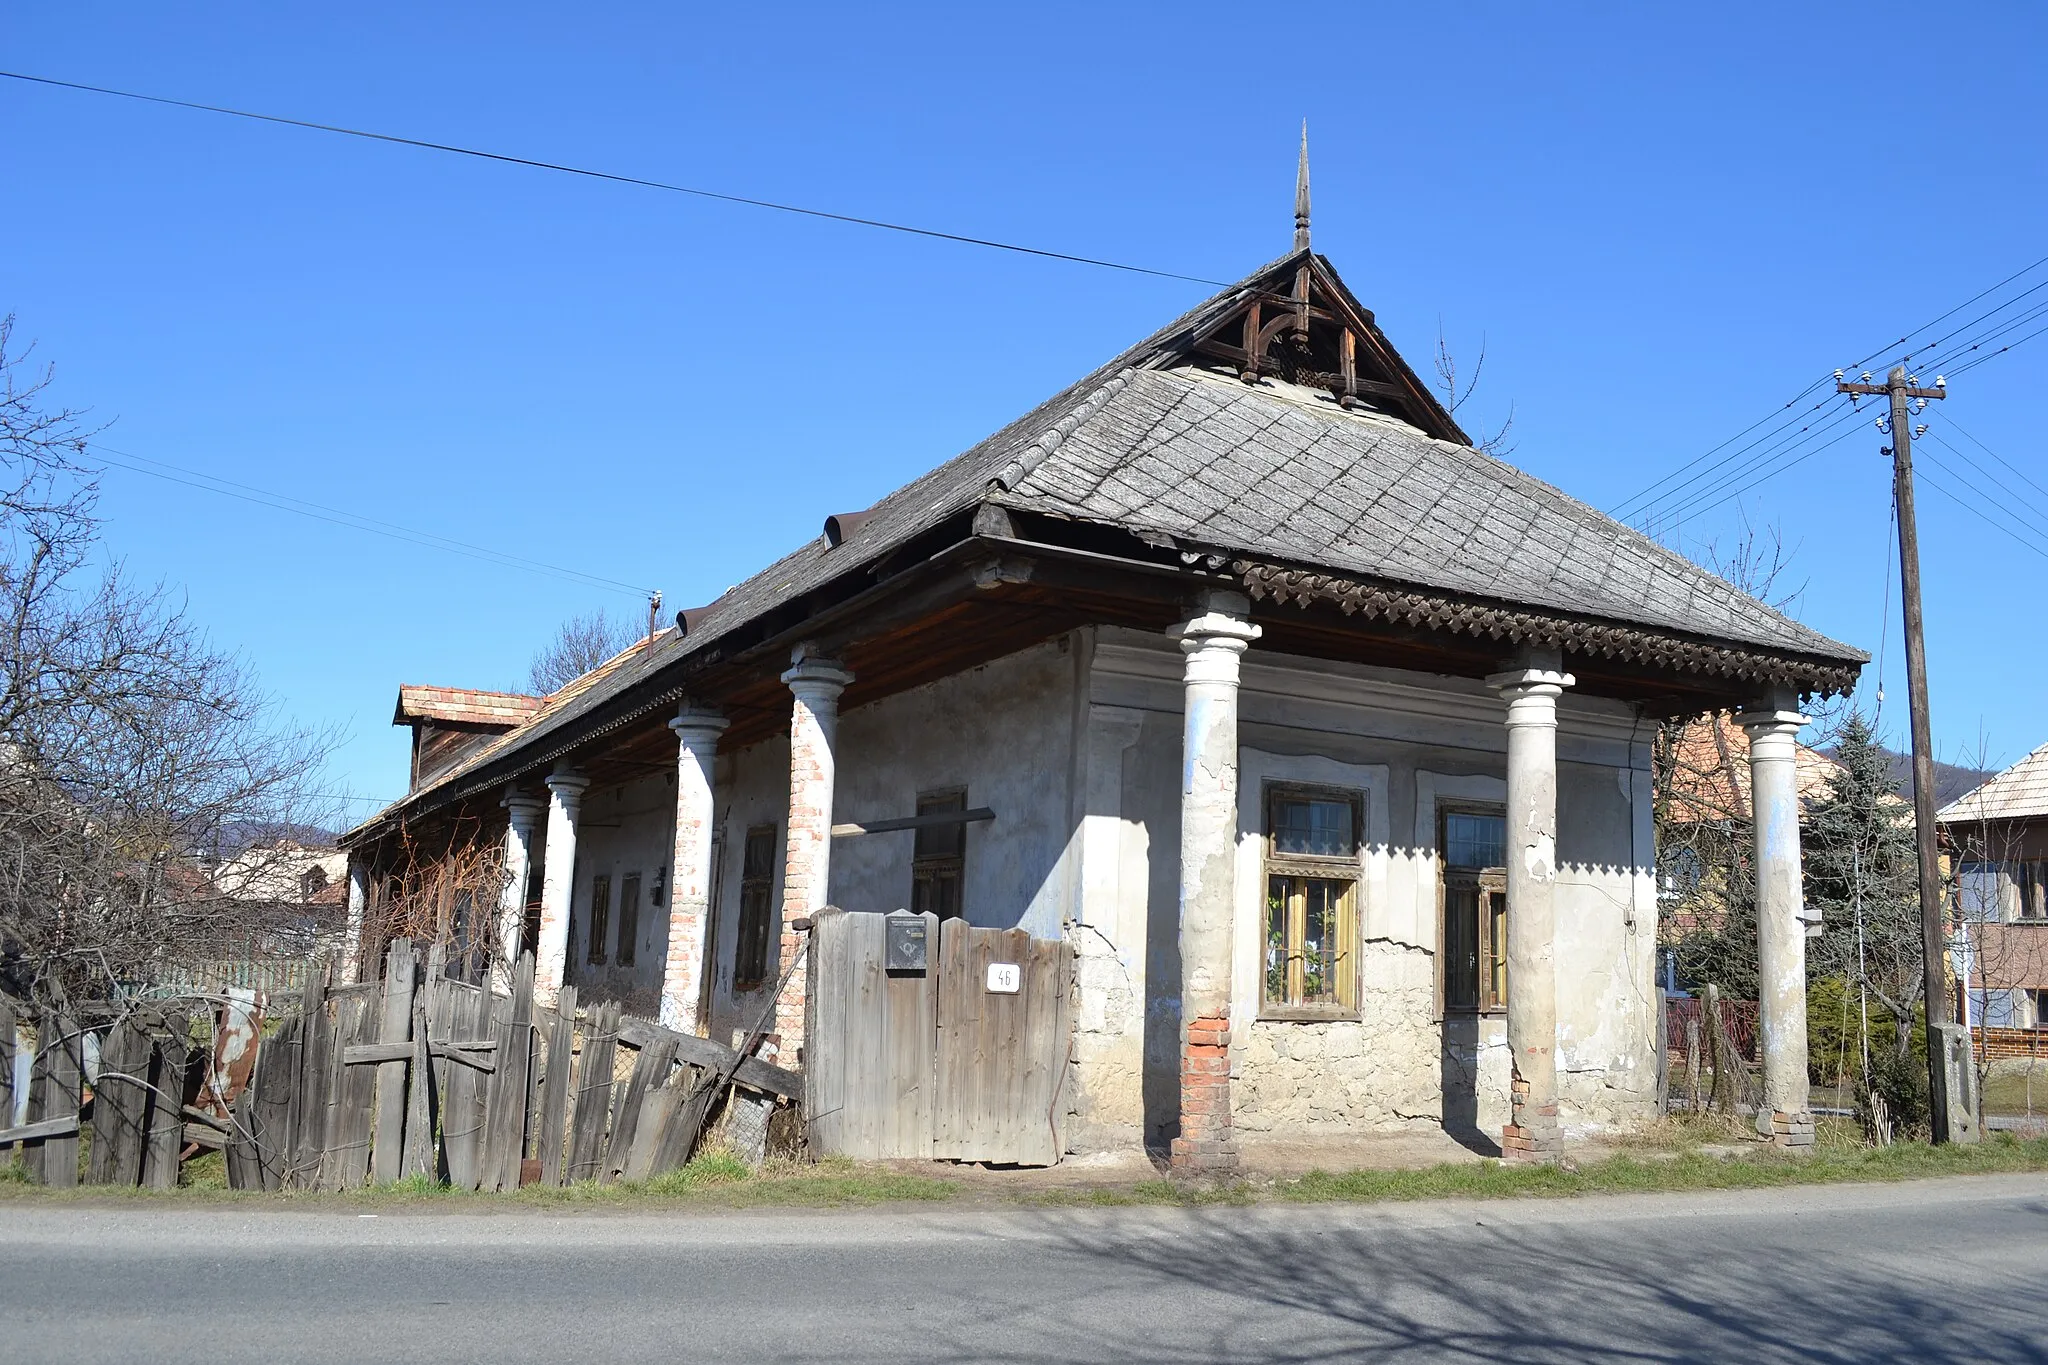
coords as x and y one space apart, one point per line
715 1056
650 1069
41 1129
347 1162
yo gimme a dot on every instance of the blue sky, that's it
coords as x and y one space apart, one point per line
1660 221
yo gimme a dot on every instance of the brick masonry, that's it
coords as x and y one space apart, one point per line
1207 1143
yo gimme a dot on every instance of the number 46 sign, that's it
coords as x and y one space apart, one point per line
1004 978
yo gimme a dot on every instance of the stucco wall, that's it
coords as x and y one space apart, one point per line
1004 732
623 831
1405 741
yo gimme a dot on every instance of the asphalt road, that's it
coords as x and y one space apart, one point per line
1937 1271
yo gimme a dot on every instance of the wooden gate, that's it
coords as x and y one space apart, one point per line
948 1063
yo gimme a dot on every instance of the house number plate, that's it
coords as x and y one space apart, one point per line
1004 978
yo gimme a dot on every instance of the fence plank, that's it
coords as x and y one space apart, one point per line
554 1101
685 1125
270 1130
355 1097
244 1163
593 1092
316 1052
59 1068
422 1155
170 1068
387 1148
8 1044
120 1102
650 1069
825 1024
462 1115
505 1120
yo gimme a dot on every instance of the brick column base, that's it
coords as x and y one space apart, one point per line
789 1006
1792 1130
1207 1144
1532 1134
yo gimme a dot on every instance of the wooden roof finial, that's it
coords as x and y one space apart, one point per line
1301 194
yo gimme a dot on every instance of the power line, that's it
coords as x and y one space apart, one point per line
1925 478
1639 508
616 178
283 502
1992 453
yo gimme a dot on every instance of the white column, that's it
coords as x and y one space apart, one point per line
1531 692
522 818
1786 1115
815 684
558 880
1213 640
685 984
358 915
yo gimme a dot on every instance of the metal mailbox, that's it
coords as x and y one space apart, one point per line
907 949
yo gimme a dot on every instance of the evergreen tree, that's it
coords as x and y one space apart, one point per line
1861 871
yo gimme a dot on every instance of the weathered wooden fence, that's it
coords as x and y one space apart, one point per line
414 1075
963 1061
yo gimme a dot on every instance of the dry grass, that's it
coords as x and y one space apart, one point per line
1686 1153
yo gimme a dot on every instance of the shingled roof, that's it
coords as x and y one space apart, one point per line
2018 793
1169 441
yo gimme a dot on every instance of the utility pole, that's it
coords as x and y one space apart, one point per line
1951 1070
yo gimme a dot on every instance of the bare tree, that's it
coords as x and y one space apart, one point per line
133 753
580 645
1457 394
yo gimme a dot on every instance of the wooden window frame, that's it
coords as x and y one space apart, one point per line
1300 868
1491 990
751 941
930 869
627 953
598 919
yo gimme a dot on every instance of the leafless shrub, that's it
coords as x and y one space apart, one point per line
134 755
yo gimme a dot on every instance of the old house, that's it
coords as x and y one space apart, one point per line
1321 737
1998 837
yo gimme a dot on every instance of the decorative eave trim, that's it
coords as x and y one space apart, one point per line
1809 675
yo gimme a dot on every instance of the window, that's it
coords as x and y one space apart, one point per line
1977 889
757 908
600 919
312 882
940 857
2040 1003
1311 902
629 920
1475 910
2031 881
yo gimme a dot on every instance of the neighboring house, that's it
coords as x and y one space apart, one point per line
1998 835
1704 804
1322 737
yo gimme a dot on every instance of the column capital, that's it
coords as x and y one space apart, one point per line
814 679
1517 683
698 726
566 783
523 807
1218 623
1767 721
